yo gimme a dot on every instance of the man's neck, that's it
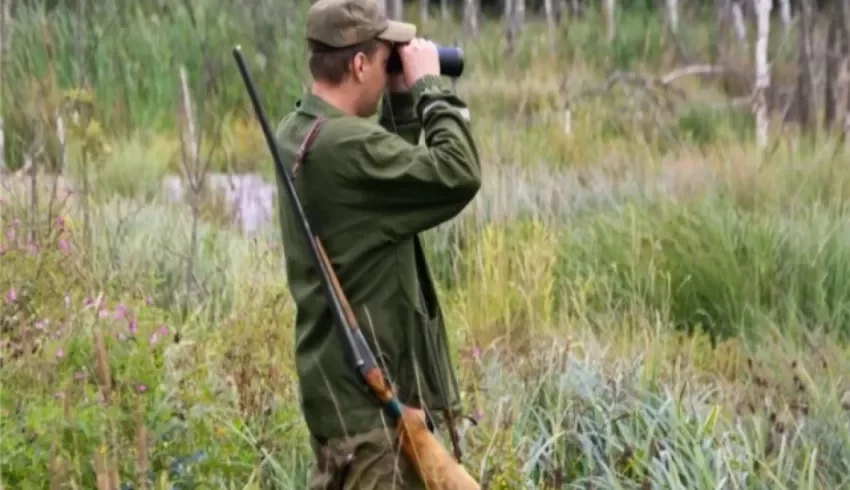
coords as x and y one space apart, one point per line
335 96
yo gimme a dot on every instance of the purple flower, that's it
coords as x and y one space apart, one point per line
63 245
42 324
154 338
11 296
60 221
163 330
120 311
134 326
142 388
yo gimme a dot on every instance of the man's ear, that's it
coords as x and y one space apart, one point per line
358 64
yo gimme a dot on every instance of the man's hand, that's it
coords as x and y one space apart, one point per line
419 58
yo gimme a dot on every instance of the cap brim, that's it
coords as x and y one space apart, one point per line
398 32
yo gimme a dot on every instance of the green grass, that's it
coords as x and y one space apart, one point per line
646 301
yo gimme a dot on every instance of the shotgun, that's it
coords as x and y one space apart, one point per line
433 463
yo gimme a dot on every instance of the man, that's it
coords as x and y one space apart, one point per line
368 189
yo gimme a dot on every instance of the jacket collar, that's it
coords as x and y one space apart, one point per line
314 105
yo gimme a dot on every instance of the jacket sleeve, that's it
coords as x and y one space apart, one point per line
408 188
398 115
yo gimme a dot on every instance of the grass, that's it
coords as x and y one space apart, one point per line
645 301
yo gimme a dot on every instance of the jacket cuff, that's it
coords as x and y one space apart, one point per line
426 86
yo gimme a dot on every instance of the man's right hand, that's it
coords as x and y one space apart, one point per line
419 58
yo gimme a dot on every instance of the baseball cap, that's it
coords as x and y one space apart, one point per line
342 23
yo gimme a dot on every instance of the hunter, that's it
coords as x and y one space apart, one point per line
369 189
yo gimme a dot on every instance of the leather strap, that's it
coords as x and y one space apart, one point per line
307 143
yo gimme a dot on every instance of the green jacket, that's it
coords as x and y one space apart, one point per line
368 192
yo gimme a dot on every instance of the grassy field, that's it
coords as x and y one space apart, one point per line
643 301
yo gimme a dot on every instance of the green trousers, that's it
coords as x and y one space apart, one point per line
378 464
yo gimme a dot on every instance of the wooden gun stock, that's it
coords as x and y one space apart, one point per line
433 463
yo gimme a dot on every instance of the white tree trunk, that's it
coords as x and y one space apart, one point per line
673 15
785 13
423 11
5 43
470 16
550 22
738 21
763 8
608 7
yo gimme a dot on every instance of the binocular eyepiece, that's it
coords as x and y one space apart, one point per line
451 61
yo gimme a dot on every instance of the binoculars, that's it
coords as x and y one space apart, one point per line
451 61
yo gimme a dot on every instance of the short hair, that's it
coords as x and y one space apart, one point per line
331 64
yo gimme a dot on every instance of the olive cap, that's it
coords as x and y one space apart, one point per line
342 23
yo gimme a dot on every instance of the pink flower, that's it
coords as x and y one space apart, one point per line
476 353
60 353
120 311
142 388
60 221
41 324
12 296
154 338
163 330
134 326
63 245
103 313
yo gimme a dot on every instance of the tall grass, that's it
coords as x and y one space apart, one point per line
644 302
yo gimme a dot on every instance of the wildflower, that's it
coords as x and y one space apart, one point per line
60 221
479 414
476 353
120 311
134 326
163 330
11 296
60 353
154 338
41 324
103 313
63 245
142 388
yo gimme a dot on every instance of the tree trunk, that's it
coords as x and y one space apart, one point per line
833 61
673 16
423 11
5 43
470 18
763 8
551 24
510 35
610 25
805 86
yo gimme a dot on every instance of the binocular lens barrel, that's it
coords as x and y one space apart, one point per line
451 61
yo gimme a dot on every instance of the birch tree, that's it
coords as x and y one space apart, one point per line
5 43
763 8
